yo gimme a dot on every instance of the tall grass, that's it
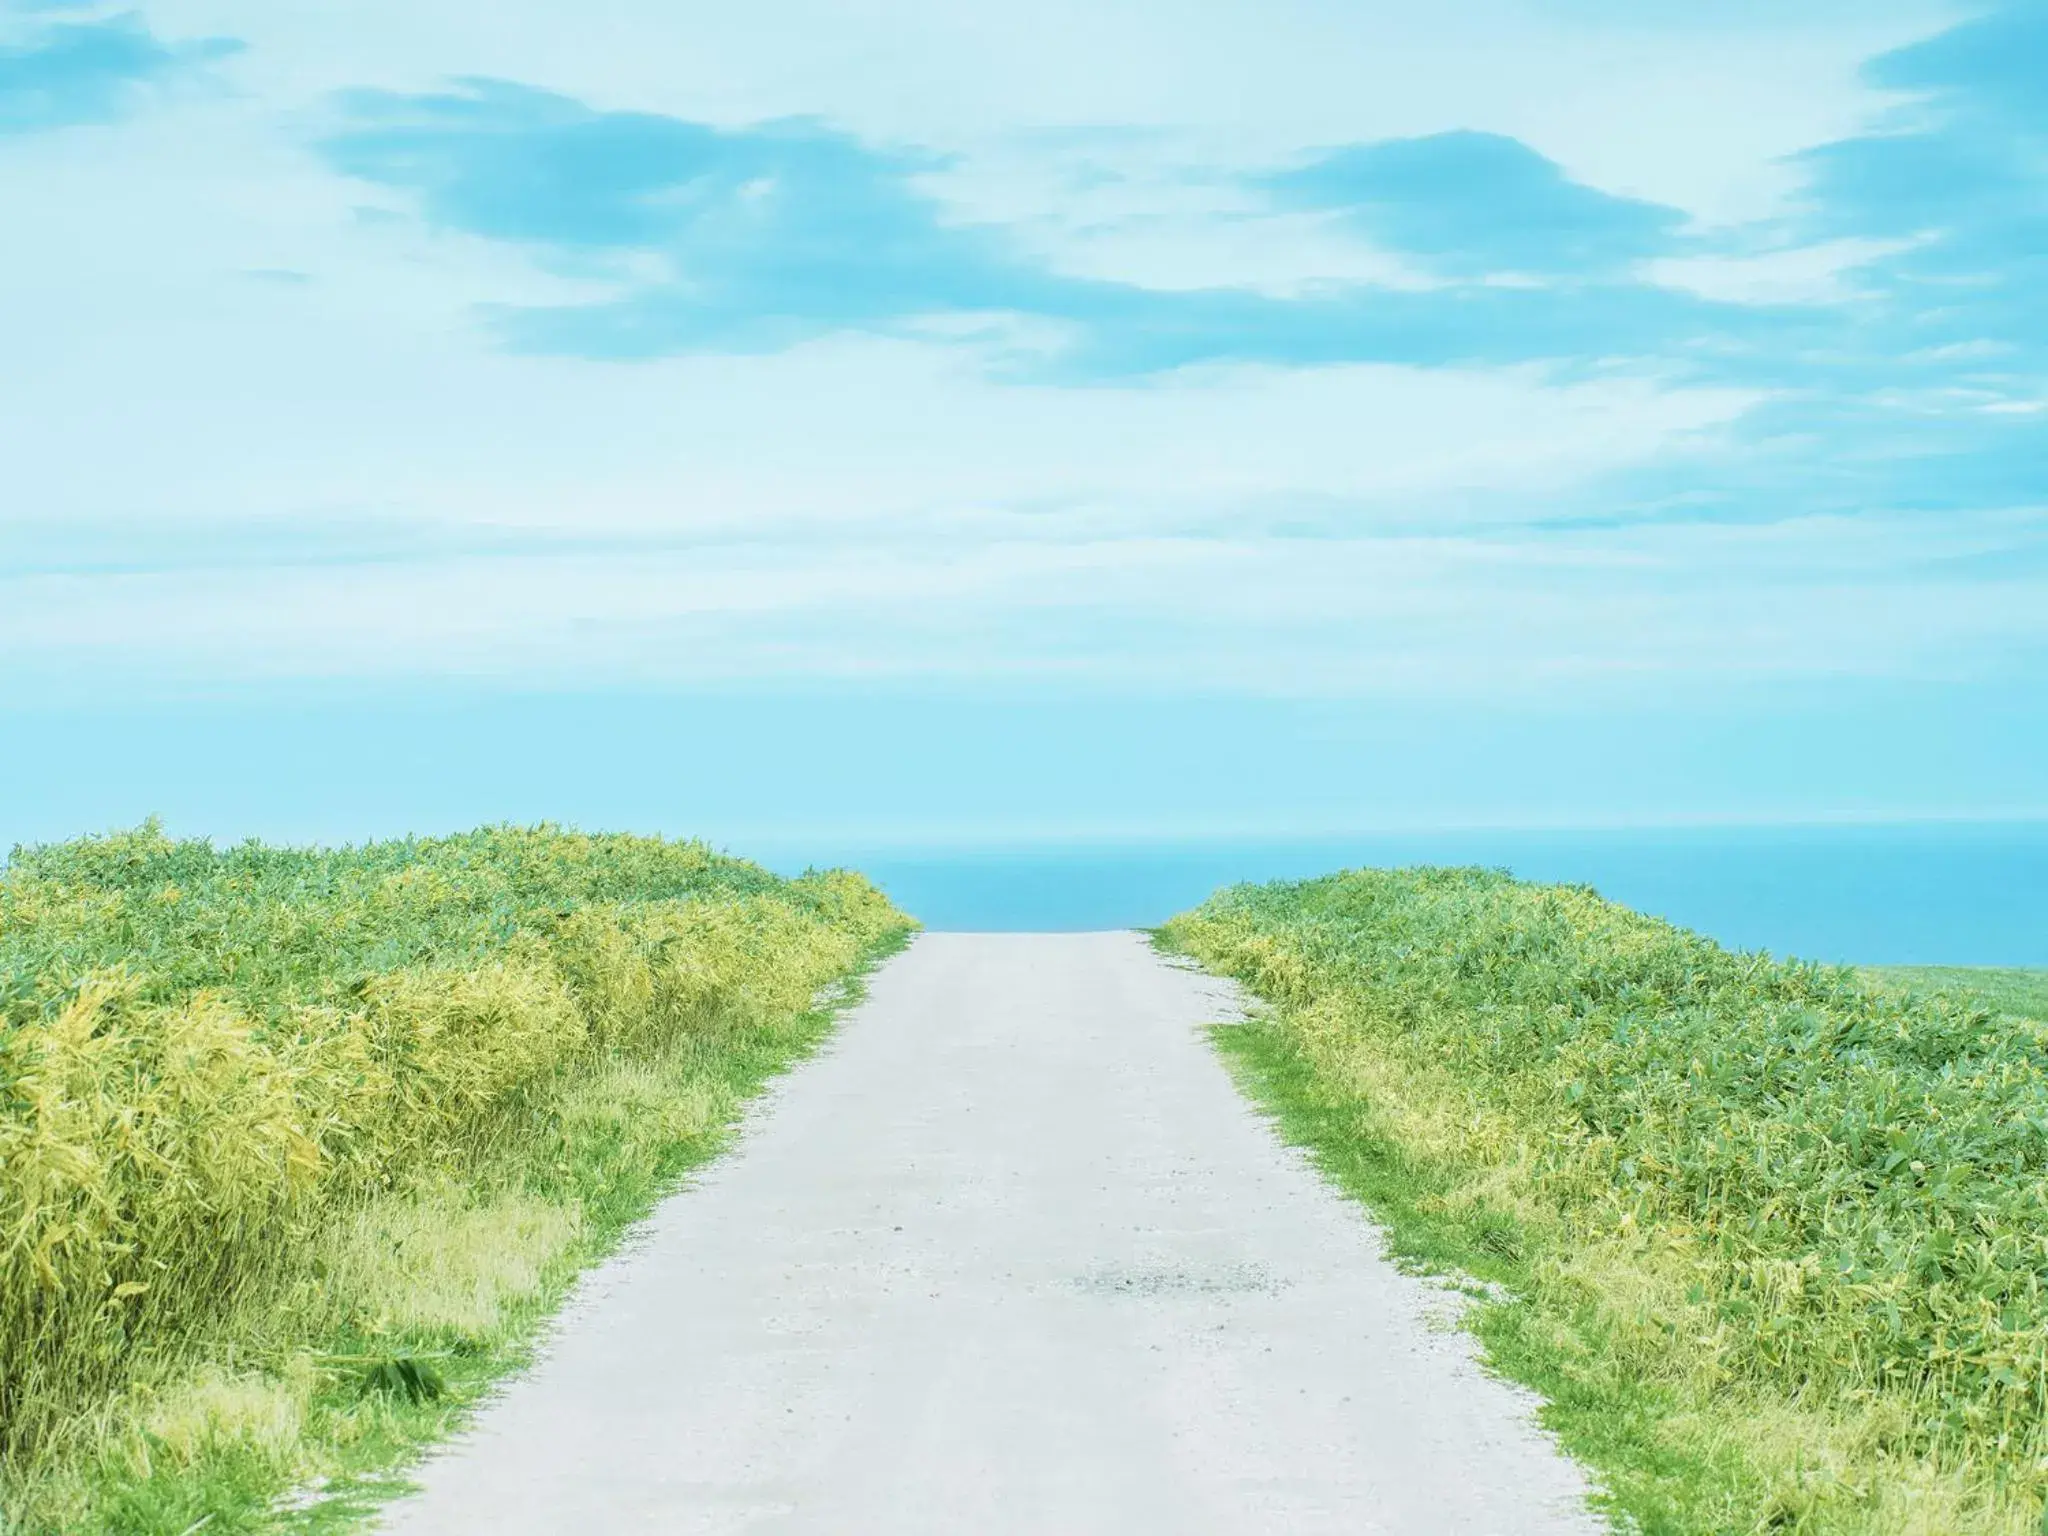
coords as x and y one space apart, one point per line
1777 1237
216 1063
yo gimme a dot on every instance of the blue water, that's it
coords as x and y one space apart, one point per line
1948 894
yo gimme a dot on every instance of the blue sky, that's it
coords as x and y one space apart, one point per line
931 420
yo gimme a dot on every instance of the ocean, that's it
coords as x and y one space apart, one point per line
1898 894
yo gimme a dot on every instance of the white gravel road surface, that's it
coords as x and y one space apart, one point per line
1010 1256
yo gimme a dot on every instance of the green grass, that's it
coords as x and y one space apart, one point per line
298 1150
2022 993
1770 1239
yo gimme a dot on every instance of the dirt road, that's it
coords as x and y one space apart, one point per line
1011 1256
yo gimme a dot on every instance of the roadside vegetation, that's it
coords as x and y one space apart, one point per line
298 1147
1770 1238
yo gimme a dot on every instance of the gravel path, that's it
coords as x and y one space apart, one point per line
1011 1256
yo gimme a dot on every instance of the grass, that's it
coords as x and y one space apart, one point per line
1771 1239
2021 993
298 1149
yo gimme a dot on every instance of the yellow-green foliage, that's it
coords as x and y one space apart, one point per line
211 1059
435 1260
1812 1213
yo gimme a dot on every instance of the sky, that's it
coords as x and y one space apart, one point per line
903 420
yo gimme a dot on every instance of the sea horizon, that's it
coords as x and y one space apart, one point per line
1953 891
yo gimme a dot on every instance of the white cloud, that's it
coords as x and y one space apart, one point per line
1484 616
889 507
1810 274
1705 109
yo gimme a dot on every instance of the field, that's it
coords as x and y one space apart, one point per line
1771 1239
296 1146
2023 994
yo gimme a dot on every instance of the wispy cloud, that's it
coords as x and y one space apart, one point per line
855 445
68 73
1506 615
1927 388
731 239
724 239
1960 176
763 237
1471 204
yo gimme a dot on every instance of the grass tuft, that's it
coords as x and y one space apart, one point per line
441 1262
216 1411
